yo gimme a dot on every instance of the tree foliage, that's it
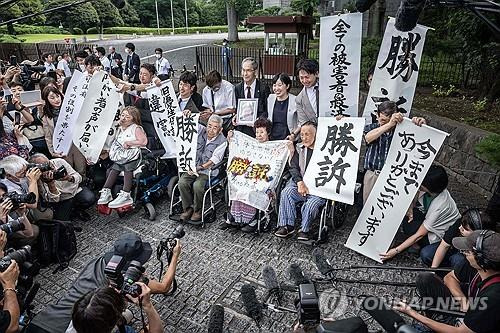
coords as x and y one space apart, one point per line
131 18
306 7
109 16
83 16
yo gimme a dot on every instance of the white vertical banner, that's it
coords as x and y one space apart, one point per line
396 72
70 109
164 105
114 125
339 64
96 116
412 152
186 141
333 168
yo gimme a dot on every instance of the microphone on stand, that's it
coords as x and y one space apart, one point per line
323 264
252 306
216 321
272 284
296 275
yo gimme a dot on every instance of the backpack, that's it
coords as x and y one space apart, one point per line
57 243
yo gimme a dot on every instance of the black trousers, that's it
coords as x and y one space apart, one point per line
81 201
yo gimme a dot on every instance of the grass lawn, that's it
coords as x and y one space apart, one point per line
39 38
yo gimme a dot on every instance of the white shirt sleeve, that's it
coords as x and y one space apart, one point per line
218 153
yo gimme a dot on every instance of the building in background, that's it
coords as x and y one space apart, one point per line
284 4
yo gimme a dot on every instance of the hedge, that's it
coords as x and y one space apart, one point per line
24 29
163 31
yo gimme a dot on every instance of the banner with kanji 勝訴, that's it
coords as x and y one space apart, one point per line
186 139
96 116
339 64
333 168
410 156
62 138
163 105
254 169
396 72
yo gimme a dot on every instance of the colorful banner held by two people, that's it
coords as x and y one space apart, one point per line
96 116
412 152
254 169
340 61
333 168
164 106
186 139
396 73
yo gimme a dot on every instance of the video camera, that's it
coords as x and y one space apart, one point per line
12 227
18 199
125 282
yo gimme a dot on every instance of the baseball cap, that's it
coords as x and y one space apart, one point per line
490 246
131 247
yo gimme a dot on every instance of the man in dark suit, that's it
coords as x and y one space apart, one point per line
251 87
132 65
116 61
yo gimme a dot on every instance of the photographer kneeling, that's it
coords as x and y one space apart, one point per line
60 188
9 315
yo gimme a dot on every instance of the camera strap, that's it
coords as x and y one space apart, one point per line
144 327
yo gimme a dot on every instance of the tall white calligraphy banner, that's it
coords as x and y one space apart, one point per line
114 126
186 141
70 109
339 64
333 168
164 105
412 152
96 116
396 72
254 169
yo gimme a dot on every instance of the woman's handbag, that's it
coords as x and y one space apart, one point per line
121 155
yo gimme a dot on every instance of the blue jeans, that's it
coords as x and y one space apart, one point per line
452 257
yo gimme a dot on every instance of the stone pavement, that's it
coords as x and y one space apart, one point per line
215 263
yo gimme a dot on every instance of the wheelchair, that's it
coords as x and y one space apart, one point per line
214 191
333 213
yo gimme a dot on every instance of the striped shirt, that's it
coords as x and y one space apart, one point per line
376 151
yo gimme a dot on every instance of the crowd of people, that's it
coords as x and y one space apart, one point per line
27 156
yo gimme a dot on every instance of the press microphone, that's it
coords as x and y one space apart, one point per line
408 13
296 274
216 321
389 319
322 263
272 284
253 307
364 5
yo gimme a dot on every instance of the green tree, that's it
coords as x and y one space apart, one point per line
130 16
307 7
21 8
109 16
83 16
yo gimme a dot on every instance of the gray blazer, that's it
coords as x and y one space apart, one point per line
291 116
305 111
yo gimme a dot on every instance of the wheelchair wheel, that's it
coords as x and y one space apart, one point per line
150 211
323 235
171 183
210 216
340 210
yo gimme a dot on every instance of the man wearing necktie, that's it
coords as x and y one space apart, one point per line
308 99
251 87
132 65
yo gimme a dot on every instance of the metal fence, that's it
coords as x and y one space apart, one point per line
34 51
451 68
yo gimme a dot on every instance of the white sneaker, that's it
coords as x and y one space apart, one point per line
123 199
105 196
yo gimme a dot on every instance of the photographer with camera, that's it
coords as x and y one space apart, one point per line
101 311
9 316
60 188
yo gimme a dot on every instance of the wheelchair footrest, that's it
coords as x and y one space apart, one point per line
125 209
104 209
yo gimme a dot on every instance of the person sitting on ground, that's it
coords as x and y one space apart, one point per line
296 190
378 138
188 97
281 109
53 100
442 253
431 213
125 152
480 301
218 97
210 151
64 195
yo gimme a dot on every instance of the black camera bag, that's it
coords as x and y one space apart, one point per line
57 243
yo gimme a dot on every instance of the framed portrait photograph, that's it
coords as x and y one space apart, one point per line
247 111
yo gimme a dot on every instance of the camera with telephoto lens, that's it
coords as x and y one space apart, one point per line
12 227
125 282
18 199
41 166
59 173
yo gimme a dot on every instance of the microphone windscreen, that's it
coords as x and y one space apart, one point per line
364 5
269 277
389 319
253 307
321 263
408 13
216 321
296 274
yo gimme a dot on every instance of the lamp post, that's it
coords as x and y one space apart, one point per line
172 14
157 17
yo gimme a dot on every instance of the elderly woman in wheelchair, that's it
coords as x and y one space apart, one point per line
210 151
296 191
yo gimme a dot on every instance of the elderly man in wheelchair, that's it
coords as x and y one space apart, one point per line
297 192
210 151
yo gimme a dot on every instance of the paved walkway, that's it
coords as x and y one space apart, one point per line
215 263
